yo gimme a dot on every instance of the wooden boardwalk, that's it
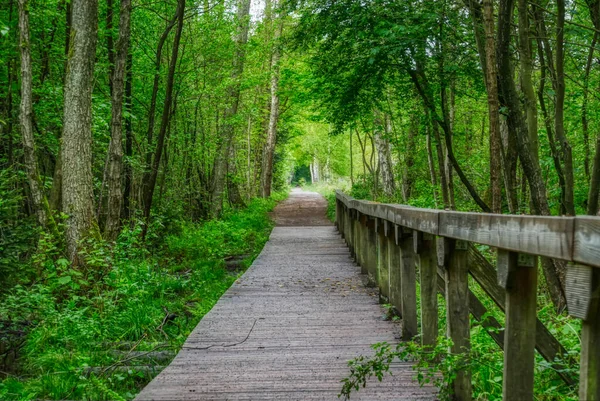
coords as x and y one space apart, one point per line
286 329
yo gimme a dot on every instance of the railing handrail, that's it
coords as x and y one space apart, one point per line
574 239
396 246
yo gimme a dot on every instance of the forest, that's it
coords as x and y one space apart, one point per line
142 145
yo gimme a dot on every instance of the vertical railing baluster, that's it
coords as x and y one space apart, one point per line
395 266
425 255
457 311
409 286
518 275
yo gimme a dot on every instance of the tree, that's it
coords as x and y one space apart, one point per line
39 201
114 159
77 182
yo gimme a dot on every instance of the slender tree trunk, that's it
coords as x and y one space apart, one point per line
594 191
381 138
228 130
431 166
518 127
584 105
77 184
266 172
439 147
153 100
128 137
493 107
114 159
165 115
351 160
110 42
39 202
559 111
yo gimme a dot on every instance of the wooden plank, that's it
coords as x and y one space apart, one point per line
362 256
371 252
408 282
536 235
589 373
578 290
395 266
519 334
587 240
426 259
457 312
425 220
383 263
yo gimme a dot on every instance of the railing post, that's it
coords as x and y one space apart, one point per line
337 213
362 233
425 254
517 273
457 310
383 261
589 292
371 252
395 268
409 286
347 229
352 233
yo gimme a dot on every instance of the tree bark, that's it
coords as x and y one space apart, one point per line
559 119
382 143
518 127
153 100
149 193
77 185
114 159
228 129
266 172
39 202
128 137
493 106
110 42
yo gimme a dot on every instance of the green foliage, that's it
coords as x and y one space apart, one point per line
71 324
433 365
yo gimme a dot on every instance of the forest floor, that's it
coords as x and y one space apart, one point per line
102 333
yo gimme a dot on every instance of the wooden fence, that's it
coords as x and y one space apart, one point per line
392 243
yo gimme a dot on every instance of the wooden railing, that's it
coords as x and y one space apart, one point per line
392 243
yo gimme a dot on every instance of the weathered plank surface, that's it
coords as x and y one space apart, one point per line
286 329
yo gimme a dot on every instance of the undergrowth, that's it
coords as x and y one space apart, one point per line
90 334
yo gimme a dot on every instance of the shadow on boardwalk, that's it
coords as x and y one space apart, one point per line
286 329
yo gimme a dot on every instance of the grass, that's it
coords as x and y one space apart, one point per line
76 330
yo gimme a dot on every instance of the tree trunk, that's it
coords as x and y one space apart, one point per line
382 143
77 185
493 107
592 206
153 100
128 170
114 159
518 127
165 115
228 129
266 172
39 202
559 119
110 47
431 166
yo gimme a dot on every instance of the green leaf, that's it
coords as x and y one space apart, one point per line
64 280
